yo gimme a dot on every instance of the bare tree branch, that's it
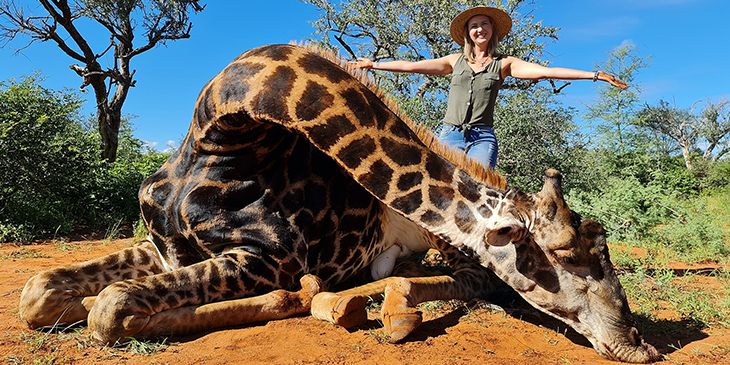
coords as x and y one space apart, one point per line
161 21
557 90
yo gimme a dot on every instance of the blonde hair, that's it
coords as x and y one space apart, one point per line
469 44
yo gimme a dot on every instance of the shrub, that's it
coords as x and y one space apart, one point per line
52 177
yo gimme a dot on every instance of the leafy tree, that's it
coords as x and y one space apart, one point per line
41 144
58 21
416 30
673 123
537 135
714 126
614 108
708 130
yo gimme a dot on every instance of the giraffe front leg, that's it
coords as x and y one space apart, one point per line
469 280
64 295
347 308
400 316
402 294
343 310
193 299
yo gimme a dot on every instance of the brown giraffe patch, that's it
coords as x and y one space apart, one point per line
238 73
317 65
401 153
323 135
432 218
357 151
409 180
437 171
440 196
270 100
314 101
409 203
464 218
379 174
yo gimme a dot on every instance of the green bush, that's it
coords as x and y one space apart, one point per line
701 233
718 175
535 133
52 177
626 207
42 145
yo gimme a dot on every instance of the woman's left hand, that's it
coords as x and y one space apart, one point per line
611 79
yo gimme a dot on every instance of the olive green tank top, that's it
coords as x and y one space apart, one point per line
472 95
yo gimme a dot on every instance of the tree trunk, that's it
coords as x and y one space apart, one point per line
108 122
108 115
685 154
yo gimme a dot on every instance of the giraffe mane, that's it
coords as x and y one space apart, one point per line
474 168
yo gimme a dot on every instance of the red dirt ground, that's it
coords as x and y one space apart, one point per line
448 336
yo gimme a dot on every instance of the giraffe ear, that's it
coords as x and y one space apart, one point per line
506 231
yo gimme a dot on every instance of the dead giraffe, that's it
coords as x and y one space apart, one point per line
296 174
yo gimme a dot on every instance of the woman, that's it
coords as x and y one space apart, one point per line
477 76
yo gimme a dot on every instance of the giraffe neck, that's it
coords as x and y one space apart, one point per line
310 96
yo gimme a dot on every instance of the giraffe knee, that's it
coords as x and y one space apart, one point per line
49 299
115 315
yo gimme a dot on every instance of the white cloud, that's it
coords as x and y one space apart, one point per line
627 42
171 146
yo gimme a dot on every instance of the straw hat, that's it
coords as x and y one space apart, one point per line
502 23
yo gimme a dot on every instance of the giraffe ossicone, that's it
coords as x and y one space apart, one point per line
295 176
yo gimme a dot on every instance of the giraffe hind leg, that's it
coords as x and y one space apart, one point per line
64 296
239 287
189 319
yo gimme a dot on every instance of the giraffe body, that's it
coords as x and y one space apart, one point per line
295 175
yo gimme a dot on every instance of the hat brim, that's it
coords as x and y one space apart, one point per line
502 23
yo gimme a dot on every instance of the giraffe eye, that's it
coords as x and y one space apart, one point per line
565 257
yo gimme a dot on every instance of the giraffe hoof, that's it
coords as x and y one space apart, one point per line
346 311
311 286
398 326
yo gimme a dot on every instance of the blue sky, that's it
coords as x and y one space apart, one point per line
689 46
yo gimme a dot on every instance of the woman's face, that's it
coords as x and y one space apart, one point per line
480 29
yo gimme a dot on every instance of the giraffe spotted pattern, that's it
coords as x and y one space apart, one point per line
296 176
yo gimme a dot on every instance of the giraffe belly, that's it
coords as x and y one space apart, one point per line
401 238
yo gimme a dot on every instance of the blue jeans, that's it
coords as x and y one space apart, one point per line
479 143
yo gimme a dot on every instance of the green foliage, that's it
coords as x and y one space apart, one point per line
713 125
717 174
661 289
613 109
700 234
127 23
536 134
624 206
52 177
145 347
659 205
41 144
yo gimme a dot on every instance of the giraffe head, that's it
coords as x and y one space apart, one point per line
560 264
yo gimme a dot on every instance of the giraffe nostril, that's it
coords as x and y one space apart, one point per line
504 231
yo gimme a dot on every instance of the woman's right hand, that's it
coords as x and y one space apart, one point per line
362 63
611 79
